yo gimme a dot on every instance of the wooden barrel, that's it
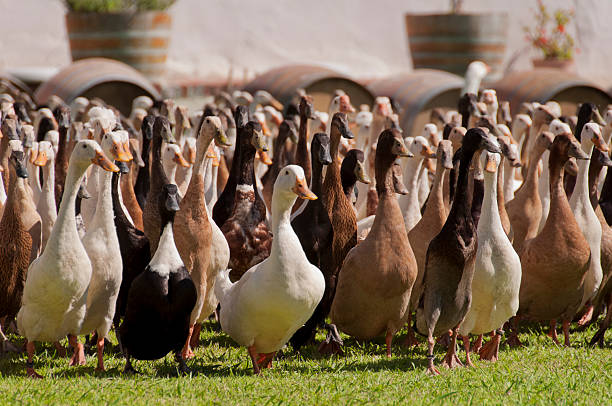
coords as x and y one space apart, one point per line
417 93
451 41
542 85
114 82
318 81
138 39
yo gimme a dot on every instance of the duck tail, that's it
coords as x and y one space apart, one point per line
222 284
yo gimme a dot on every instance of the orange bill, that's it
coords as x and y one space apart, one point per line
102 161
264 157
41 159
491 165
302 190
179 159
427 152
600 144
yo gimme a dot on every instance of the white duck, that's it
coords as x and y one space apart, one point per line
430 133
45 158
497 270
521 126
102 247
606 133
53 137
189 153
265 322
409 204
55 291
583 210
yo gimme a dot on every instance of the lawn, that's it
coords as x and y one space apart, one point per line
538 373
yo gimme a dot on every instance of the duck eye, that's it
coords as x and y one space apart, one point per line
286 172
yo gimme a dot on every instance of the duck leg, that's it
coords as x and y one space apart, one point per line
477 344
78 356
31 347
388 341
253 354
552 332
588 315
6 345
466 347
186 352
490 351
100 348
410 340
129 369
513 341
182 366
599 336
195 336
566 332
264 360
332 345
451 360
431 369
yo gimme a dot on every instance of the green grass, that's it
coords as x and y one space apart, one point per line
538 373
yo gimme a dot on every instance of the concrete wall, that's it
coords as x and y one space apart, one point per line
362 38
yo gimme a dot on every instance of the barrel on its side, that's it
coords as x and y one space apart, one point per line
114 82
138 39
319 82
417 93
450 42
542 85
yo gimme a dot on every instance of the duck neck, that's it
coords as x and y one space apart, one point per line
461 203
247 165
14 203
384 176
317 174
170 171
411 176
555 166
167 252
159 175
48 178
435 202
490 208
66 221
62 146
581 189
103 217
282 203
302 147
595 168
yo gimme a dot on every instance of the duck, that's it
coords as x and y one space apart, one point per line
15 244
161 298
352 170
409 203
430 133
192 230
102 246
45 158
541 119
211 172
521 125
450 259
375 282
286 130
314 230
225 202
430 224
9 132
294 286
63 118
55 291
141 187
525 210
150 216
497 271
556 261
475 73
135 252
172 158
246 230
584 213
184 173
129 201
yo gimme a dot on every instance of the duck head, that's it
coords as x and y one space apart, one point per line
490 161
306 109
444 154
291 181
320 145
430 133
22 112
28 135
265 98
62 116
592 132
211 125
168 203
44 154
171 155
477 139
9 128
17 160
352 168
241 116
147 126
161 129
255 135
589 112
341 104
509 149
566 146
113 146
340 123
87 152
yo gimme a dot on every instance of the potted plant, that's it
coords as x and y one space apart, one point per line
136 32
450 41
550 37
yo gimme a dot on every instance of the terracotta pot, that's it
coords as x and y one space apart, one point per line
139 39
562 64
451 41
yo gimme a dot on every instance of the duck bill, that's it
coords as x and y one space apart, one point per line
360 173
600 144
127 151
302 190
490 166
33 155
123 168
429 165
118 153
103 162
345 105
265 129
258 142
41 159
191 155
264 157
221 139
179 159
427 152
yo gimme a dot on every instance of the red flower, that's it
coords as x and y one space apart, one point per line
561 28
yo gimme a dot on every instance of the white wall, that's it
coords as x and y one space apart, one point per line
362 38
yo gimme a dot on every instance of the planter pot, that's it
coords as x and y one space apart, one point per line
451 41
566 65
137 39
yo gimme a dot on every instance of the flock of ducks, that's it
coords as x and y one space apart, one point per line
280 220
